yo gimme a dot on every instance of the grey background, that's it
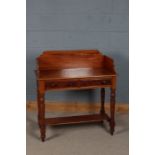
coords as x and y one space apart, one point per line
79 24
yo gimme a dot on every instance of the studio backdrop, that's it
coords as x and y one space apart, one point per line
79 24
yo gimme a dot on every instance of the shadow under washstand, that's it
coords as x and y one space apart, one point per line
53 132
122 124
32 128
34 131
62 129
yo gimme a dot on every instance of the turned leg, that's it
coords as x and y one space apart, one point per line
112 111
38 104
102 110
41 108
42 124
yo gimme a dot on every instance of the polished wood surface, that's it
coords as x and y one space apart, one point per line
74 69
77 73
75 119
70 59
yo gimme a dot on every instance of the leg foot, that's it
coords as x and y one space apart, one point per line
42 139
43 132
112 132
112 128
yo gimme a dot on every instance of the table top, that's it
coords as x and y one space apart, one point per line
74 73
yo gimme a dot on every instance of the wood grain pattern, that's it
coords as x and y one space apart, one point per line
74 69
71 59
75 119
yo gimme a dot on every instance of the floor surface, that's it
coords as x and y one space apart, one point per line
81 139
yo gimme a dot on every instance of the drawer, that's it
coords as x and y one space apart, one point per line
94 82
77 84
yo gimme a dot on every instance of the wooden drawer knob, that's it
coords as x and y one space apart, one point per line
104 82
53 84
71 84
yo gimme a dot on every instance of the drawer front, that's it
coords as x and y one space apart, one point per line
77 84
94 82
